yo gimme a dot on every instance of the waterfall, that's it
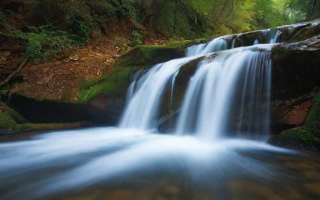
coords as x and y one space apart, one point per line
222 98
217 44
237 79
274 37
142 109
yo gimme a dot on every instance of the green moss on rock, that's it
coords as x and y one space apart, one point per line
113 84
145 56
11 122
307 137
12 113
148 55
306 33
312 123
297 139
301 135
9 126
6 121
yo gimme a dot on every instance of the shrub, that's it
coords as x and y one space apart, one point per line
137 38
44 41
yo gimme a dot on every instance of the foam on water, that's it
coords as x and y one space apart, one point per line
79 159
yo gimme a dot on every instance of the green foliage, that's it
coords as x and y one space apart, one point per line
44 41
137 38
4 25
313 119
72 22
302 10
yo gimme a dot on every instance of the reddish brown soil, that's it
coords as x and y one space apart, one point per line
58 78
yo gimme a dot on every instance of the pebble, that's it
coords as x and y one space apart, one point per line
74 58
46 69
57 62
66 60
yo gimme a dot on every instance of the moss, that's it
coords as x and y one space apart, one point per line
306 33
298 139
12 113
9 126
6 121
312 123
51 126
142 56
113 84
302 135
45 41
307 137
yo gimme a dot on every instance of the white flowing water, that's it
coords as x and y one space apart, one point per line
143 107
210 98
274 38
217 44
235 78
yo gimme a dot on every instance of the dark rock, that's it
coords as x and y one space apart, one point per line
296 138
99 111
296 69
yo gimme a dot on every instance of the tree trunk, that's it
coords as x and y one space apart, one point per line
313 8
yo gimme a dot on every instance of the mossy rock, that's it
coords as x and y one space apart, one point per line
12 113
112 84
297 139
9 126
312 123
146 56
6 121
307 137
306 33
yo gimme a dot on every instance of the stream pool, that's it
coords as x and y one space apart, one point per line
119 164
